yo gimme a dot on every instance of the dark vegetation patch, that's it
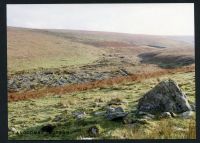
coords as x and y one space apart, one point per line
166 61
156 46
109 44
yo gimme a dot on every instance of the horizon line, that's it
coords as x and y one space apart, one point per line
33 28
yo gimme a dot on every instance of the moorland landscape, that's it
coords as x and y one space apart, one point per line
75 84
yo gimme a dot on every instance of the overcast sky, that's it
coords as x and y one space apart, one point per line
156 19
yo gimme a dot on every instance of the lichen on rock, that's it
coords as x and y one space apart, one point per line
164 97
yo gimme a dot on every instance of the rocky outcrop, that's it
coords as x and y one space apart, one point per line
35 80
164 97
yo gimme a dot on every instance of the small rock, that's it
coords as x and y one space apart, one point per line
93 131
14 130
115 113
165 115
79 115
187 114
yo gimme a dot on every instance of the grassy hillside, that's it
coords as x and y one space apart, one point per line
56 73
35 113
32 48
28 49
98 37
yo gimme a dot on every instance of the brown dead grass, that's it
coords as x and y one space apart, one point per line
17 96
191 133
167 131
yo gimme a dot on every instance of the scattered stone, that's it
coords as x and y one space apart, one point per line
93 131
164 97
54 78
165 115
79 115
14 130
115 113
48 128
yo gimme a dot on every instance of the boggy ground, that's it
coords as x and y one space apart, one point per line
58 110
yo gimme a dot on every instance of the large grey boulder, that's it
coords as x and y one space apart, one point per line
164 97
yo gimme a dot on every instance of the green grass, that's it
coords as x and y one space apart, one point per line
51 62
36 113
28 50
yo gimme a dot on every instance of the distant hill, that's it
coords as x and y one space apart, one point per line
188 39
49 48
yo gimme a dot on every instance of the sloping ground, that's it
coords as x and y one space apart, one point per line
100 55
32 50
188 39
24 95
168 58
130 39
58 110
